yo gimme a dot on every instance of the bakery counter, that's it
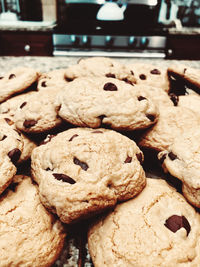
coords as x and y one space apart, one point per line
45 64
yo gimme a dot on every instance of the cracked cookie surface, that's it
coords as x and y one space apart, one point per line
94 101
83 171
156 228
30 235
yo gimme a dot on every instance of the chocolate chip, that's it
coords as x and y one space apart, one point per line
82 164
110 75
142 77
73 136
44 84
14 155
132 72
101 117
110 87
63 177
176 222
172 156
29 123
184 71
150 117
139 157
140 98
23 104
174 98
47 169
155 71
163 158
11 76
97 131
127 81
4 137
13 186
1 77
9 122
128 159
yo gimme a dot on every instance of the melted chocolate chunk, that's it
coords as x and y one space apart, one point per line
163 158
110 75
176 222
172 156
73 136
11 76
127 81
97 131
82 164
110 87
128 159
155 71
4 137
44 84
150 117
174 98
63 177
14 155
29 123
139 157
23 104
140 98
9 121
142 77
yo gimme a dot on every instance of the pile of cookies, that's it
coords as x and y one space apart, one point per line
73 150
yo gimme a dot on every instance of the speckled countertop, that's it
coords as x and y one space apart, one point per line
45 64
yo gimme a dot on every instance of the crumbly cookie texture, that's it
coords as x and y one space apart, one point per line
30 235
190 75
83 171
172 122
100 67
17 80
37 113
148 74
157 228
93 101
10 151
191 101
182 160
53 79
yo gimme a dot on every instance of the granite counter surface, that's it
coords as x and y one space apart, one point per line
45 64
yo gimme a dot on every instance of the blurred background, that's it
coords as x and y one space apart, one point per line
133 28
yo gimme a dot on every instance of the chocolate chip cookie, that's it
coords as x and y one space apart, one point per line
148 74
37 114
96 101
100 67
182 159
157 228
30 235
17 80
172 122
84 171
10 151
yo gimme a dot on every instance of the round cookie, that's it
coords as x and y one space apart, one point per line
182 160
10 151
17 80
99 67
53 79
30 235
148 74
83 171
172 122
93 101
156 228
37 113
